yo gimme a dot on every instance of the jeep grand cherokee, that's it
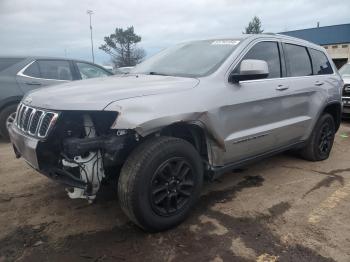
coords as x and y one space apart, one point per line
193 111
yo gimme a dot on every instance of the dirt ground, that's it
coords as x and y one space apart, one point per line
280 209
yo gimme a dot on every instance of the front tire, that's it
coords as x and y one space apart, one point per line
321 140
160 182
7 116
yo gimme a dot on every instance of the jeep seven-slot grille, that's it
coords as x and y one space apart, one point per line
35 122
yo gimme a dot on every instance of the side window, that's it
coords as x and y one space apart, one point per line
55 69
320 63
32 70
298 60
269 52
90 71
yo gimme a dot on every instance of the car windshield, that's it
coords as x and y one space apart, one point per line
345 70
192 59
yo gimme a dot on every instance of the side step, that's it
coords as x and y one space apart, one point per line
216 172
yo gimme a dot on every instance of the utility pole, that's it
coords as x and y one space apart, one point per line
90 12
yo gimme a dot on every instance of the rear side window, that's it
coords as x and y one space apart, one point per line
55 69
7 62
269 52
32 70
298 60
320 63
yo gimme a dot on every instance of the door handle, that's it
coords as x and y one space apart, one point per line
319 83
33 83
282 87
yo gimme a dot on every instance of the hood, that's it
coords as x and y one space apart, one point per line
97 93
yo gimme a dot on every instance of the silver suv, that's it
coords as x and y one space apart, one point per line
193 111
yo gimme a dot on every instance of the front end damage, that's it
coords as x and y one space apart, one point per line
76 148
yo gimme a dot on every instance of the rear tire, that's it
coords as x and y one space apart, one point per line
321 140
7 114
160 182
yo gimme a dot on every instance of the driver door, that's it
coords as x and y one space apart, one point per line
258 112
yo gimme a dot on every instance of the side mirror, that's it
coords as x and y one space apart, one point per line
250 69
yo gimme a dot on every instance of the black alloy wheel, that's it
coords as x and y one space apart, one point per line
171 186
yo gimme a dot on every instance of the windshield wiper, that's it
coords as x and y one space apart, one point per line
157 73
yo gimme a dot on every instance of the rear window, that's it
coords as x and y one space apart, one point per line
298 60
7 62
320 63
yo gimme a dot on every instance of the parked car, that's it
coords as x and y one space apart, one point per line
191 112
19 75
345 74
122 70
108 67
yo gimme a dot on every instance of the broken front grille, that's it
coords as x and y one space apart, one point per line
35 122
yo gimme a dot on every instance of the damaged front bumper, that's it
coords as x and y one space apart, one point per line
33 151
24 146
27 147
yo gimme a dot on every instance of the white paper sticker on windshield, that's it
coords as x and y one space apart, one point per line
225 42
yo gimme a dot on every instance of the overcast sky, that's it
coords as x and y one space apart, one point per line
49 27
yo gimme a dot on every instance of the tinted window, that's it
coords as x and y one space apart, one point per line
90 71
298 60
320 63
7 62
269 52
55 69
32 70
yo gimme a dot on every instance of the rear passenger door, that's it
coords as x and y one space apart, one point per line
44 72
306 94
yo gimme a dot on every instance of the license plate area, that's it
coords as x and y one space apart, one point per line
25 146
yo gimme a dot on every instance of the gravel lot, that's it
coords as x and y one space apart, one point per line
280 209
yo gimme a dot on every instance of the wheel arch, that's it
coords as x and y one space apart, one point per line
335 110
194 133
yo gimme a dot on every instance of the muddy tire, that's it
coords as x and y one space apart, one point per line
6 115
160 182
321 140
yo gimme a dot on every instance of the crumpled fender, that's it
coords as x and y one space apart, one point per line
150 114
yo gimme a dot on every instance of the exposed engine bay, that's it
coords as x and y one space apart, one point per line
77 148
92 153
89 164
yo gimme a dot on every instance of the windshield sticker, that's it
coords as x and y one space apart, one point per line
225 42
